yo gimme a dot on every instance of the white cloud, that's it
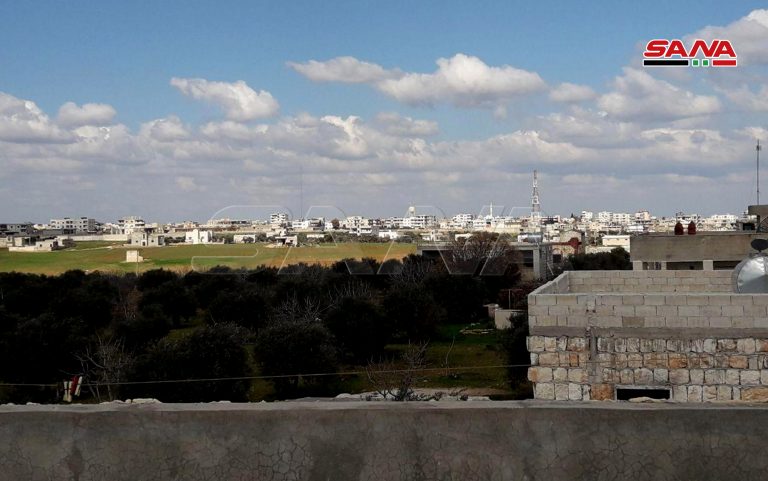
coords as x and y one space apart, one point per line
745 98
238 101
165 130
72 115
570 93
463 80
639 96
343 69
22 121
397 125
748 35
188 184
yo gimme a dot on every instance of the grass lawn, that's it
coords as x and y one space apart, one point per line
110 258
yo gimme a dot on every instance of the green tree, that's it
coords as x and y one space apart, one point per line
293 348
617 259
211 352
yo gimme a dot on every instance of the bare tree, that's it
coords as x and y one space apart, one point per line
294 310
396 380
105 365
483 253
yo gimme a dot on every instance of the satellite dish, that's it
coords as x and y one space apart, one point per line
751 275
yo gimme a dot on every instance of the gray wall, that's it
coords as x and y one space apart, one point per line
413 441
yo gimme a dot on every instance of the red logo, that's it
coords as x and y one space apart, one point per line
673 53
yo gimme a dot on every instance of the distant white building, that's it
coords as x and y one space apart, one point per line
77 225
420 221
278 219
130 224
614 241
146 239
197 236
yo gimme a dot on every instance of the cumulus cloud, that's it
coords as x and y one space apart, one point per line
165 130
746 98
23 121
463 80
638 96
238 101
571 93
397 125
748 35
72 115
187 184
344 70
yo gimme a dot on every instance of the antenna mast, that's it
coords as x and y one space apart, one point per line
535 206
757 150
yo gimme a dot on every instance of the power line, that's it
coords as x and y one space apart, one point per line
274 376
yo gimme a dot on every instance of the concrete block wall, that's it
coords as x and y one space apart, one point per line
649 281
679 330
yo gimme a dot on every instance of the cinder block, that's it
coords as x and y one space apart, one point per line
546 299
645 310
721 321
743 322
760 299
698 321
538 310
632 300
677 321
742 299
697 300
546 320
566 300
623 310
633 321
688 311
675 300
655 300
666 311
557 310
755 311
711 311
719 300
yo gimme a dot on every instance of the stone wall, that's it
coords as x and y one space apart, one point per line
596 332
692 369
488 441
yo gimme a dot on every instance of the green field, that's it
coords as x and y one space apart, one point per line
90 256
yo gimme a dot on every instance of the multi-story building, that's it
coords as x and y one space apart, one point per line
420 221
130 224
78 225
278 219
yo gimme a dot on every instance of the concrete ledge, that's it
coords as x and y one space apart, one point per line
355 440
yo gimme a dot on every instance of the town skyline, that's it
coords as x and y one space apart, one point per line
181 112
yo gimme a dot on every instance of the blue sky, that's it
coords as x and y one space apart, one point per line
480 144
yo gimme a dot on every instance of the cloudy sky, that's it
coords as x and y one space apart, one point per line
183 110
